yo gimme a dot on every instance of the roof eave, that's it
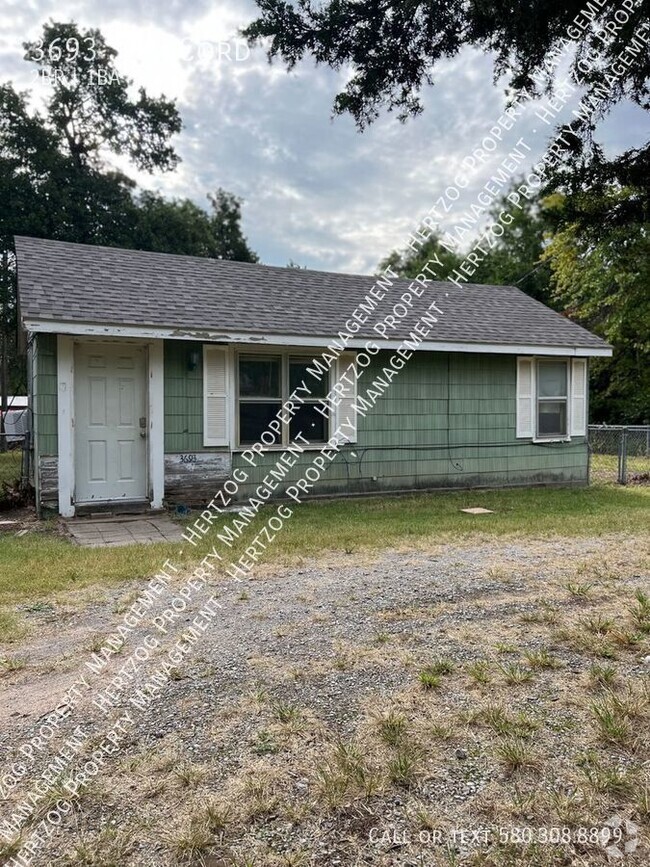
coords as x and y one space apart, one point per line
153 332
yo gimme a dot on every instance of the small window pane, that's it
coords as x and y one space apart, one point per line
310 423
298 373
551 381
259 377
254 419
552 418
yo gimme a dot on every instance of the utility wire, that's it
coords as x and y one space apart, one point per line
532 271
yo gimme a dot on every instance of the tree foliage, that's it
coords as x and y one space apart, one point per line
180 226
225 220
409 262
56 180
89 109
393 48
55 177
515 259
601 278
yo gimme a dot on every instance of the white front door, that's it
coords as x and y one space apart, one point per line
110 422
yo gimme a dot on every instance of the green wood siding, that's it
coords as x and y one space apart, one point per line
45 397
447 420
44 420
183 398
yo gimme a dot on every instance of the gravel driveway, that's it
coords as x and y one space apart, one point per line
278 739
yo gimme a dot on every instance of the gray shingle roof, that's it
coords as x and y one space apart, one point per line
104 285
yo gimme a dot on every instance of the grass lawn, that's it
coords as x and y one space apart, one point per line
10 463
604 468
40 564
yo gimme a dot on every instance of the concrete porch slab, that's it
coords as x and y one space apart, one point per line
123 530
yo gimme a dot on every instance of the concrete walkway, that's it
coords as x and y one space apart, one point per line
125 530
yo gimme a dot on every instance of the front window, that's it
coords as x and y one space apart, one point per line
266 382
260 395
552 398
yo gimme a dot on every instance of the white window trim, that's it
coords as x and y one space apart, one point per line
571 397
156 401
523 431
347 397
584 397
554 438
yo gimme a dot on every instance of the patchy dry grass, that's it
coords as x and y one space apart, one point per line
514 702
12 627
106 848
11 664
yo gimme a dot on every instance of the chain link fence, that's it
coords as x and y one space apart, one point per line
619 454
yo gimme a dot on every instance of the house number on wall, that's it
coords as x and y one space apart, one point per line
188 459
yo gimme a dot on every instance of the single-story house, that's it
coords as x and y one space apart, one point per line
155 378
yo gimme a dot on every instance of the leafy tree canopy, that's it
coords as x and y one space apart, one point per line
393 48
180 226
225 220
410 262
600 277
56 180
53 164
89 108
515 258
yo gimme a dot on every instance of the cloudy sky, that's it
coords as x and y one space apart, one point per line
315 190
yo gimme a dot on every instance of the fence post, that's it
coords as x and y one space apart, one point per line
622 458
25 468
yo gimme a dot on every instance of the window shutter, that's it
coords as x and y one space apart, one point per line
346 363
578 397
215 396
525 398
